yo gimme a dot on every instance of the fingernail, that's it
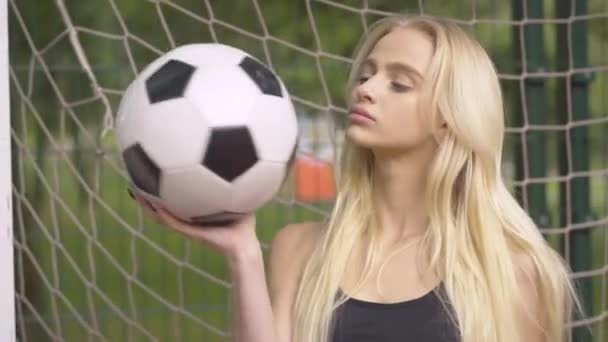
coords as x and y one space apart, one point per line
130 193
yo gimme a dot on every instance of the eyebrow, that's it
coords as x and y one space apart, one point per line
394 67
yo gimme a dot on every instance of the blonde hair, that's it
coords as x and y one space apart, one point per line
476 228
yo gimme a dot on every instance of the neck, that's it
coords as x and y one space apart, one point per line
399 192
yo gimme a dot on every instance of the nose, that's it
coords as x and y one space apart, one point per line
364 92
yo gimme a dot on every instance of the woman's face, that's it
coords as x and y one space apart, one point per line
384 114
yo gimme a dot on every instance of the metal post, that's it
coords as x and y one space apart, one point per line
533 60
7 284
578 196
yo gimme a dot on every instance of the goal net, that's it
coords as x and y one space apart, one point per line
90 266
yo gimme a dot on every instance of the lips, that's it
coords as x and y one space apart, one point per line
362 112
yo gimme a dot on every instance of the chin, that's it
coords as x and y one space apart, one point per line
382 144
356 136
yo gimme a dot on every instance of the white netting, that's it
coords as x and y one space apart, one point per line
90 266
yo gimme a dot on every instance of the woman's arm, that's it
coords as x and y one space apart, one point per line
262 315
253 319
238 242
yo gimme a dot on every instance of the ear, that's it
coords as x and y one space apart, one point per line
441 129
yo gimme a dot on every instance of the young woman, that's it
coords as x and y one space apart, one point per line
425 242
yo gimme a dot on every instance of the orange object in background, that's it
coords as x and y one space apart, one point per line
313 179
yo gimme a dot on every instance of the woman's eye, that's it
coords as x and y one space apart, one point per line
363 79
400 87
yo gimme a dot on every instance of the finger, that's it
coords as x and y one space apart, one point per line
136 197
178 224
142 201
147 206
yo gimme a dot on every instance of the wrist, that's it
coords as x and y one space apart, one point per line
245 255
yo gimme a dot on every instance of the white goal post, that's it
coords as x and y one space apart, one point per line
7 289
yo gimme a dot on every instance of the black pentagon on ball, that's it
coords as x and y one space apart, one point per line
169 81
261 76
142 169
230 152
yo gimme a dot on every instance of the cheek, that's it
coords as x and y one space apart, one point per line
407 124
405 115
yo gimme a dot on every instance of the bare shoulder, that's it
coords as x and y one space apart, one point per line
533 314
526 274
289 249
296 237
525 269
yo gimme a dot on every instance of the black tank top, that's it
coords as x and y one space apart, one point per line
421 319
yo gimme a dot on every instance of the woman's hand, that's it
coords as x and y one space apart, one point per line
230 240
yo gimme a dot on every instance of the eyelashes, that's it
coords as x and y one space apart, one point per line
362 79
400 87
396 86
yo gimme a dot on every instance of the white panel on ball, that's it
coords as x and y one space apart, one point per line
194 191
257 186
274 127
181 121
201 55
128 124
226 94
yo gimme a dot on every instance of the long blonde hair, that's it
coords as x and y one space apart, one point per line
476 227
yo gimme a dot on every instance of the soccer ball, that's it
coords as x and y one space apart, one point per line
207 132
